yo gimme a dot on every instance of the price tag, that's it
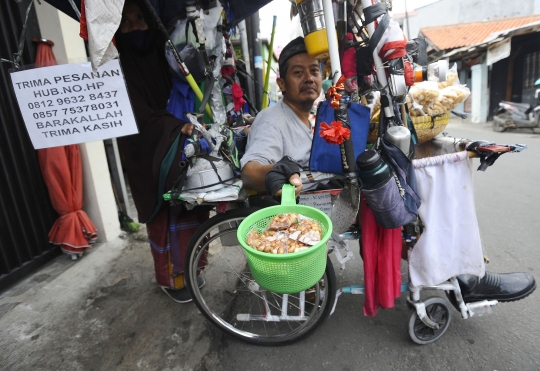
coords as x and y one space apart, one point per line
319 200
69 104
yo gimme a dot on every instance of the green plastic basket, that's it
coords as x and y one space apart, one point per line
286 273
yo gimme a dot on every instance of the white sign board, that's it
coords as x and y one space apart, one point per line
68 104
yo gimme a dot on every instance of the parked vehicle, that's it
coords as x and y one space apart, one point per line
511 115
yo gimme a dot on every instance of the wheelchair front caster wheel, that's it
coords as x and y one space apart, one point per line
438 311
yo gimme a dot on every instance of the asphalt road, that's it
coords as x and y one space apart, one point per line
105 311
508 210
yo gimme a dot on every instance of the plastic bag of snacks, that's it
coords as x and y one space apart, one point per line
449 98
451 78
424 94
415 109
287 233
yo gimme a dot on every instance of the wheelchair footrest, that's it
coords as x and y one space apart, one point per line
480 308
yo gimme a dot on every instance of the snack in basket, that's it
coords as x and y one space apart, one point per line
286 233
283 221
306 231
253 238
295 246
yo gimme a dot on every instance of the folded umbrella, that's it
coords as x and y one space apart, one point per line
61 168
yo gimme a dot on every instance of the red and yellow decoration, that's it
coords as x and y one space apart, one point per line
333 94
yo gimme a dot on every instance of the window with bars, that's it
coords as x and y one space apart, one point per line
531 69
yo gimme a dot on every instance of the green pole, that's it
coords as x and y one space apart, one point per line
264 102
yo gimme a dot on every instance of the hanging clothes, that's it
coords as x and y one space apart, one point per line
169 233
149 83
381 252
450 244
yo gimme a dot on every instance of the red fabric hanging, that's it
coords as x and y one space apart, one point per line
237 96
381 252
44 54
348 62
83 32
61 168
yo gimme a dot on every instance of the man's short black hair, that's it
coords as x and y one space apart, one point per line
297 46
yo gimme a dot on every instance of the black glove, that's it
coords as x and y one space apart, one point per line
280 174
487 158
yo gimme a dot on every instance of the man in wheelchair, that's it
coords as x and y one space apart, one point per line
279 147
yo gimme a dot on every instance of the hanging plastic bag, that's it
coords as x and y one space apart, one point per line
184 43
211 19
425 94
451 78
450 97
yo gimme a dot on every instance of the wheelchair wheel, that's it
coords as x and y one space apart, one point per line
235 303
438 311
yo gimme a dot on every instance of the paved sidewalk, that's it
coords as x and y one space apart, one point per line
105 312
102 312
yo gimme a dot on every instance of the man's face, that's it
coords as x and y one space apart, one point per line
303 81
132 19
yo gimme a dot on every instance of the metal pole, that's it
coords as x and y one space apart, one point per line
407 20
379 69
341 114
331 34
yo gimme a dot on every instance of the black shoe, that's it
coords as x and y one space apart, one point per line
494 286
182 295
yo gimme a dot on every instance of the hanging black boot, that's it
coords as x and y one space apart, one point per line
496 286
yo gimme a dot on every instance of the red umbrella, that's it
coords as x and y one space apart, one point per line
61 167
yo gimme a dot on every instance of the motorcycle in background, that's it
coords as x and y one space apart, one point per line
511 115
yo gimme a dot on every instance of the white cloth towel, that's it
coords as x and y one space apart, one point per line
450 244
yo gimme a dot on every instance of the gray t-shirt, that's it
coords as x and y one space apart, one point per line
278 132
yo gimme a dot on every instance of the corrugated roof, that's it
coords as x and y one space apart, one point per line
465 34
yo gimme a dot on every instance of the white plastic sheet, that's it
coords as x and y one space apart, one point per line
226 193
103 19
